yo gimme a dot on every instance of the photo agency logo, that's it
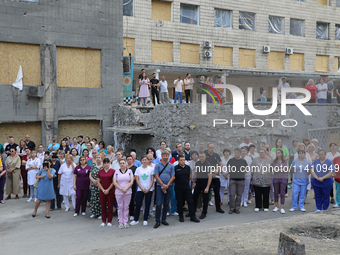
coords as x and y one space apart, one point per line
238 105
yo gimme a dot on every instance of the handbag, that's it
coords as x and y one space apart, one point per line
36 183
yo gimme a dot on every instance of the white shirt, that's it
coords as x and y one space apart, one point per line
178 85
244 145
322 94
41 156
66 180
115 165
144 177
33 172
254 156
163 85
286 85
331 157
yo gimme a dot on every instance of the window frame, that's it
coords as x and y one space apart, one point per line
290 27
239 24
133 9
283 26
316 25
230 17
197 10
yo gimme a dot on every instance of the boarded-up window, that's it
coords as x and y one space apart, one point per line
246 58
322 2
275 60
321 63
161 10
129 46
20 130
336 64
296 62
190 53
12 55
78 67
161 51
223 56
73 128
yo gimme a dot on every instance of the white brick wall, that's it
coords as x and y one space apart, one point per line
144 29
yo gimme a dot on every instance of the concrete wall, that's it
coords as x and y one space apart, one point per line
182 122
90 24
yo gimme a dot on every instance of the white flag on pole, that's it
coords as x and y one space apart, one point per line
18 81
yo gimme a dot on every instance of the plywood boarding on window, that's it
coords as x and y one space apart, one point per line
73 128
161 10
78 67
275 60
161 51
321 63
12 55
296 61
223 56
336 64
322 2
246 58
129 46
190 53
20 130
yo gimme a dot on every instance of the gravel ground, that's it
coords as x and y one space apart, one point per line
320 232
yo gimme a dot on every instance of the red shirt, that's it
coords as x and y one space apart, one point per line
312 90
106 179
336 163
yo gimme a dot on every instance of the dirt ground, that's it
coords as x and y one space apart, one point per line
320 232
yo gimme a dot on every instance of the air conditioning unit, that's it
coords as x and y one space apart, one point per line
266 49
207 44
35 91
207 54
289 51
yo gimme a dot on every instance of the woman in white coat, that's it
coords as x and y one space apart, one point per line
33 166
65 179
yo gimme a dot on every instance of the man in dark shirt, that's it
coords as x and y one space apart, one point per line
154 88
215 160
11 145
29 143
56 166
237 167
183 189
187 151
179 149
202 177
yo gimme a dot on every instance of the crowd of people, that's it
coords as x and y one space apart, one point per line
320 93
166 182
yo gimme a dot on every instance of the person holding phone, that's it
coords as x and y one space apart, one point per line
54 146
45 191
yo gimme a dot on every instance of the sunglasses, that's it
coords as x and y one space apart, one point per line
12 151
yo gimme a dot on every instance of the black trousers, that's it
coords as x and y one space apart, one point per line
188 93
262 197
200 187
311 101
155 92
132 202
332 192
183 195
338 99
215 185
329 99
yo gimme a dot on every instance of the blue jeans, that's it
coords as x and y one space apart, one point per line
180 96
32 188
295 197
173 201
138 100
139 200
322 101
159 201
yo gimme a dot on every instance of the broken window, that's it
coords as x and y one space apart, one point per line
322 30
223 18
128 7
337 32
247 21
276 25
189 14
297 27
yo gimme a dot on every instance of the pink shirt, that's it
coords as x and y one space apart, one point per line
123 180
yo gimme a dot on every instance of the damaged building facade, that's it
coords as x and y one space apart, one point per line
247 43
70 53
